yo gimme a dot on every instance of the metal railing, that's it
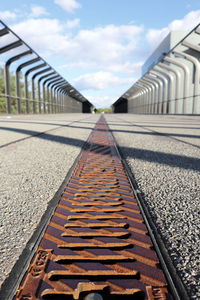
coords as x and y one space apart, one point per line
172 84
44 89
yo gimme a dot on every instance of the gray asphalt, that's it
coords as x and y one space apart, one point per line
163 153
36 153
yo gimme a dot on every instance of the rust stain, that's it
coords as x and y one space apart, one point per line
97 240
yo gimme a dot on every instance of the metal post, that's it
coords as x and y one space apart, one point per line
196 64
26 81
151 88
145 95
135 97
175 101
58 90
139 99
33 85
148 96
18 91
54 97
165 87
50 109
160 83
156 86
49 93
65 107
185 80
64 98
39 90
7 75
138 94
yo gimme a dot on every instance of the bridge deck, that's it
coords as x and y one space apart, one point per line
162 151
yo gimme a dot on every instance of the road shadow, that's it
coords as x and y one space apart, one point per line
173 160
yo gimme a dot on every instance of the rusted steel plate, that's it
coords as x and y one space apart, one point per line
96 240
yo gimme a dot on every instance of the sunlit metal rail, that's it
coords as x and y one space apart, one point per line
171 85
97 244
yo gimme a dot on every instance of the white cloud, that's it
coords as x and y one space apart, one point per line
7 15
38 11
68 5
99 81
126 67
102 101
43 35
73 23
110 48
109 42
155 36
75 65
190 20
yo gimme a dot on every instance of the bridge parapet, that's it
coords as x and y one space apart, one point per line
172 83
30 88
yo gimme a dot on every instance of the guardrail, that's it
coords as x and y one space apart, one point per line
42 90
172 84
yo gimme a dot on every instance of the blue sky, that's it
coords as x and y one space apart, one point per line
98 45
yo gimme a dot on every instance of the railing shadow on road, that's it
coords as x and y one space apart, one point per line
174 136
112 124
152 132
148 131
149 123
173 160
47 123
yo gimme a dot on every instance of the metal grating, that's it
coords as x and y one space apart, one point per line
96 241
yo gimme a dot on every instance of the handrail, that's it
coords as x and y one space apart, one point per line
24 49
181 68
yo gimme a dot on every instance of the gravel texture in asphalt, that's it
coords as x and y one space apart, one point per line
163 153
32 167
